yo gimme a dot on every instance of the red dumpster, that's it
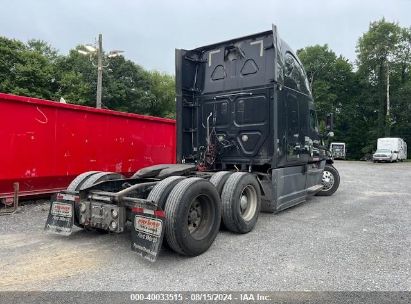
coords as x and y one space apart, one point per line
45 144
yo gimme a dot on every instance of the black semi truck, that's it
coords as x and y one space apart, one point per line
247 141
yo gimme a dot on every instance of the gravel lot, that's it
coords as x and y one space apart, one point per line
357 239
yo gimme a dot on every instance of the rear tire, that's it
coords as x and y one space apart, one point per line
162 190
330 181
193 215
241 200
219 179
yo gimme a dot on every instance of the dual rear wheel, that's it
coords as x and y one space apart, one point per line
241 201
193 213
194 209
240 198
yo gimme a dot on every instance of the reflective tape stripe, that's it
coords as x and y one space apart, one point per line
68 197
159 213
137 210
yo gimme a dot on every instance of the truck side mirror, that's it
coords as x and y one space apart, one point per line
329 122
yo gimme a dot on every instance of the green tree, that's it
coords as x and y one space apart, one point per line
26 69
384 61
318 61
126 86
163 90
76 78
331 80
10 55
377 50
329 76
37 69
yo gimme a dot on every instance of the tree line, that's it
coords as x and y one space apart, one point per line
370 98
36 69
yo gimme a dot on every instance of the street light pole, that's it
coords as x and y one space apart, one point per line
99 70
93 51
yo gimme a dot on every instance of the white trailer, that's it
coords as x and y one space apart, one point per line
390 149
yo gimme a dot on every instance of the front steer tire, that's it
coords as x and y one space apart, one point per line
329 173
241 200
193 215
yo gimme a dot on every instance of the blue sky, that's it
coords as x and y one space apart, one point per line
149 31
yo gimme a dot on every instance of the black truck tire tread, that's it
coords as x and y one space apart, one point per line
219 179
231 192
161 191
171 210
174 202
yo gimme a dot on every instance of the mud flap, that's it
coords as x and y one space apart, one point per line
61 216
148 232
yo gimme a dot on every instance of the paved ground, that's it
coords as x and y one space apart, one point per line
358 239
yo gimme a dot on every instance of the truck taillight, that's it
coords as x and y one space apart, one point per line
113 225
114 213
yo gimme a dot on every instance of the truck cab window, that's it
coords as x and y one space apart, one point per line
313 121
294 76
293 128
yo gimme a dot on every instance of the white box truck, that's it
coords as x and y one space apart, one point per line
390 149
338 150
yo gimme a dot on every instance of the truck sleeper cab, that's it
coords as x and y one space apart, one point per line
247 140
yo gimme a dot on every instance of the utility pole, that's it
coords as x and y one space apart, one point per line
388 91
388 120
93 51
99 70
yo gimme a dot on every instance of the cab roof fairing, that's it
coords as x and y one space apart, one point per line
283 48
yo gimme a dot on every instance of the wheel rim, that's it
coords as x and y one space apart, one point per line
199 216
248 202
327 180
